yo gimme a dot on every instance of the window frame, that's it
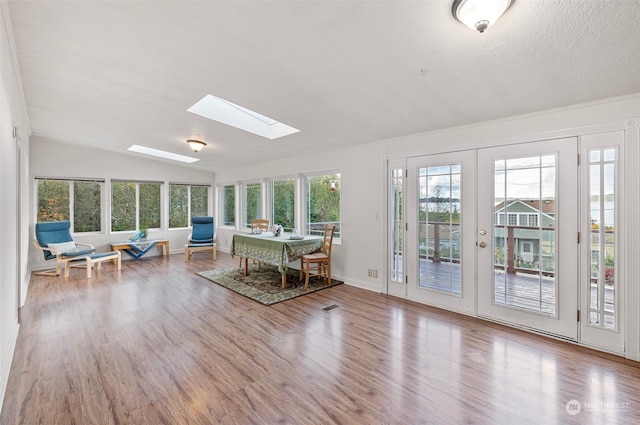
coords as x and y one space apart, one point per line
137 197
271 201
305 180
71 194
189 202
221 205
244 223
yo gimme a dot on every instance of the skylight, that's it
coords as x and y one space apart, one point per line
162 154
237 116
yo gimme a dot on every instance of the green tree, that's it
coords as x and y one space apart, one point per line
324 200
229 206
284 203
149 200
199 201
253 202
87 198
123 206
178 205
53 200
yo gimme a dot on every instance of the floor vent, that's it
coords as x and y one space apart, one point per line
331 307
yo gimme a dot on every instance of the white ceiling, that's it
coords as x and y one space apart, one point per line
114 73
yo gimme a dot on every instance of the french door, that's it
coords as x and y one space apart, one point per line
527 236
440 226
523 234
493 232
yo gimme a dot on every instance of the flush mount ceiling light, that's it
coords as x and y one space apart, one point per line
479 14
196 145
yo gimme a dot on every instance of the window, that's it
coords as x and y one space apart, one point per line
252 202
135 205
440 227
283 203
186 201
322 196
77 201
603 191
149 201
228 203
396 223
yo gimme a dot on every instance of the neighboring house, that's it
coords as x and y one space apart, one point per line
531 225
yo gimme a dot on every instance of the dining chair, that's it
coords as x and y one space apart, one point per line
319 262
258 225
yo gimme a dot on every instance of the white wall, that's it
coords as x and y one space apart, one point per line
55 159
13 154
363 171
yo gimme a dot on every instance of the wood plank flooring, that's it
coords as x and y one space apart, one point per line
157 344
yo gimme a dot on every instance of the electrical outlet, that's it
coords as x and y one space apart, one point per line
369 273
375 273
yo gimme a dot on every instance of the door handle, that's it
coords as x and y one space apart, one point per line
482 244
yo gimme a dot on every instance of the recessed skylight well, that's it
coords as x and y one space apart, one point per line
237 116
162 154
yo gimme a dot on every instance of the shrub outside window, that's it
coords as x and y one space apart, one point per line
229 205
186 201
322 196
135 205
76 201
252 197
283 193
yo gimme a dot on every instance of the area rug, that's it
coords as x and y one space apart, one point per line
264 284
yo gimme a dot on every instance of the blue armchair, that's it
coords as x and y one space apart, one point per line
202 237
55 241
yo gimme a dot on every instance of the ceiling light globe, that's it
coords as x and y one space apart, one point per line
196 145
479 14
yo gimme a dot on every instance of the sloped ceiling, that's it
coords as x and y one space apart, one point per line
114 73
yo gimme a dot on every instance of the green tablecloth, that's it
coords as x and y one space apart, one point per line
277 251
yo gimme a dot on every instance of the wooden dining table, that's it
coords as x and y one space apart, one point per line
274 250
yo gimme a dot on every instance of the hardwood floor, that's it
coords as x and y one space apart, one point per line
157 344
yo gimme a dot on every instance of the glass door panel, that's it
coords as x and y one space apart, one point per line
601 324
526 276
397 221
441 206
395 256
524 193
439 228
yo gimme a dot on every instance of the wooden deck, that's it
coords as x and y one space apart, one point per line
157 344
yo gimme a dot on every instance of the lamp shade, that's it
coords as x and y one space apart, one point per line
196 145
479 14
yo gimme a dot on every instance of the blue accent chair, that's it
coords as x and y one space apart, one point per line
55 241
202 237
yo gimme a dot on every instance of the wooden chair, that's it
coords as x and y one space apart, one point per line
202 237
261 225
320 262
55 242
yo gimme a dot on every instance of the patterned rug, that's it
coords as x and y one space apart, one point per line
265 284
